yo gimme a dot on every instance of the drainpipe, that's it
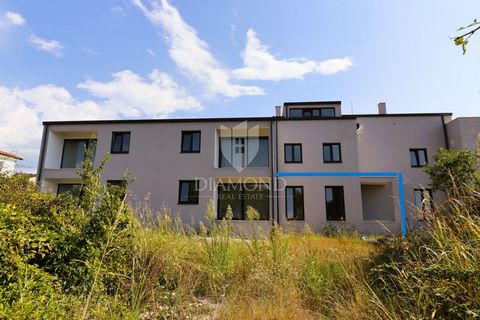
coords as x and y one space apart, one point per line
445 133
272 179
41 159
276 171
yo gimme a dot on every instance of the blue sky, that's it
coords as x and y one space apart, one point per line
65 60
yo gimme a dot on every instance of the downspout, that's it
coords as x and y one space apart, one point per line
445 133
271 172
41 159
276 171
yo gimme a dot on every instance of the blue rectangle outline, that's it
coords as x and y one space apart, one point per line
397 175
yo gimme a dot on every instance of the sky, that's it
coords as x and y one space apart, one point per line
124 59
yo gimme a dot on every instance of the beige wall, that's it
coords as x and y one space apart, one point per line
154 161
380 144
463 132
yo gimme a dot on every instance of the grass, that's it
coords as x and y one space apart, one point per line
66 258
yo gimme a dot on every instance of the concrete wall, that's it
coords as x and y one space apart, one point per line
7 165
384 143
463 132
154 161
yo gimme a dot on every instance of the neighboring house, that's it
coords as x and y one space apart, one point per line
309 164
7 162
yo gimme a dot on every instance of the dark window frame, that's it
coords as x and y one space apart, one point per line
191 133
86 146
122 133
232 139
330 145
422 190
311 111
243 207
70 184
286 203
191 200
343 214
417 157
292 145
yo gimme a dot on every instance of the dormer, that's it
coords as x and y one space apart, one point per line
313 109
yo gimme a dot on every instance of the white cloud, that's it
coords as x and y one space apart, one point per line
51 46
14 18
259 64
151 52
131 95
90 52
190 53
127 95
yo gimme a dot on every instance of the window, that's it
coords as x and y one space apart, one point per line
190 141
188 192
69 188
239 145
74 152
334 202
293 152
418 157
423 199
311 112
241 152
332 153
294 203
118 187
242 195
120 142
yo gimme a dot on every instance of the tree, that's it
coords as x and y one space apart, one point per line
468 31
454 170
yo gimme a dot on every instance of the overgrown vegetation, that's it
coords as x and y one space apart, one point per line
62 257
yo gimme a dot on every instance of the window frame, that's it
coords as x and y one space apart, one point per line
292 145
286 203
70 184
311 111
243 207
417 157
330 145
122 133
195 200
191 133
422 190
343 203
232 148
89 141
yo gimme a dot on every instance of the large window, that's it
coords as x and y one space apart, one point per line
293 153
423 199
243 152
120 142
191 141
335 204
188 192
242 195
418 157
69 188
74 152
311 112
332 153
294 203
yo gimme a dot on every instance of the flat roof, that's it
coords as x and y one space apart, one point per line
343 117
309 103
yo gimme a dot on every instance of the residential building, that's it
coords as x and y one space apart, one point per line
7 162
308 164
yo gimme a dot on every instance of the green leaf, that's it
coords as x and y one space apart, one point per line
459 41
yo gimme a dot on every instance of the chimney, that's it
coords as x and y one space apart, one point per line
278 111
382 108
